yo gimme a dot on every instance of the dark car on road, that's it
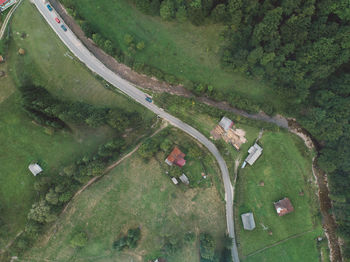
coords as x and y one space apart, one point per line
64 28
148 99
49 7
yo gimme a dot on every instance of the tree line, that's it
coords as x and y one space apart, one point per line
303 48
47 110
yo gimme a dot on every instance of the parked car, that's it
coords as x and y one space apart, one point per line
64 28
148 99
49 7
57 20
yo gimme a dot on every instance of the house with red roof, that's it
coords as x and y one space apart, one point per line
176 157
283 207
4 4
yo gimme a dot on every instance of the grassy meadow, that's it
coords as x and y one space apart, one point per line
134 194
47 63
180 49
285 170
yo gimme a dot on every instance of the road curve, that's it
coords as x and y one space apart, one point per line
83 54
7 19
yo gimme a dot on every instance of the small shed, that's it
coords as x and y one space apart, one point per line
174 180
226 123
184 179
254 152
1 59
248 221
35 169
283 207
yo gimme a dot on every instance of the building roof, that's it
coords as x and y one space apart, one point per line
3 2
226 123
254 152
184 179
180 162
176 157
174 180
35 169
284 206
248 221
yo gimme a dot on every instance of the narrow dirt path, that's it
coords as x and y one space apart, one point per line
279 242
94 179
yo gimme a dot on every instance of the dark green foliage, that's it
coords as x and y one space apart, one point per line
206 246
79 240
41 212
303 47
128 241
148 148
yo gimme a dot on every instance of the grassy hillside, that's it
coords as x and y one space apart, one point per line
180 49
135 194
46 63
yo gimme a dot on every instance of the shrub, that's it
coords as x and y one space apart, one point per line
79 239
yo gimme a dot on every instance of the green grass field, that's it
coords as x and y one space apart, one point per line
285 169
135 194
180 49
49 63
22 140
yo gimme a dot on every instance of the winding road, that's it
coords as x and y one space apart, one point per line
84 55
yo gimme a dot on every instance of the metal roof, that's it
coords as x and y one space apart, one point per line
35 169
254 153
226 123
248 221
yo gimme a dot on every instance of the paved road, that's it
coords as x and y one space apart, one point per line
7 19
81 52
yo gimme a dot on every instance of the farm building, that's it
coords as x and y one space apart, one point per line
184 179
254 152
283 207
174 180
4 4
176 157
35 169
226 123
248 221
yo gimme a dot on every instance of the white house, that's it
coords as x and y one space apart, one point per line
35 169
254 153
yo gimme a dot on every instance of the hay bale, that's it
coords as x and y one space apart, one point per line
21 51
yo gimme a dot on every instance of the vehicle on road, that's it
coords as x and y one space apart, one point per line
148 99
57 20
64 28
49 7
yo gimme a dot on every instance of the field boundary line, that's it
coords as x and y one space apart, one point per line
280 242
